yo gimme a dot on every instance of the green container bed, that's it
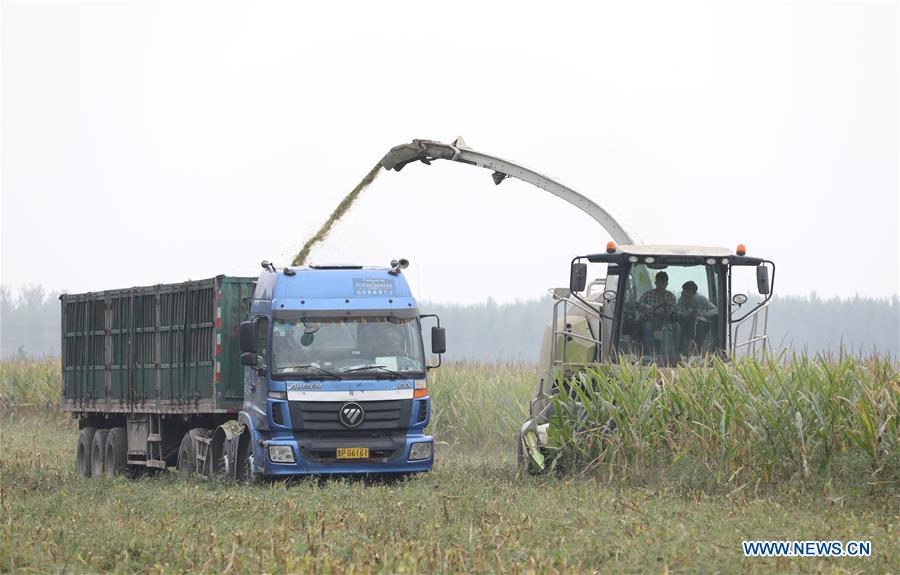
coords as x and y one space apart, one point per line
159 349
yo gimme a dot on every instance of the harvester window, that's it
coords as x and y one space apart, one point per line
671 312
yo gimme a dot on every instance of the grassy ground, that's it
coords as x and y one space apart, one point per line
472 513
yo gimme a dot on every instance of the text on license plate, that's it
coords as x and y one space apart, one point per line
352 452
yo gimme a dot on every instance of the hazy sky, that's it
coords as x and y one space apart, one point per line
155 142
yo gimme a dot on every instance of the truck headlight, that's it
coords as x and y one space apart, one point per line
281 454
420 451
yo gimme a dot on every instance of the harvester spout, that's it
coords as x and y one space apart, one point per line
427 150
417 150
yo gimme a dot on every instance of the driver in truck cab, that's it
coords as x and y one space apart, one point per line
657 306
384 342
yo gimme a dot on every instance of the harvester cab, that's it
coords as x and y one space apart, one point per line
658 303
661 304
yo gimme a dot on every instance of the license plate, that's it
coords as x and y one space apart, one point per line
352 452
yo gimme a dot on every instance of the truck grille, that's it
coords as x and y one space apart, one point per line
321 447
323 415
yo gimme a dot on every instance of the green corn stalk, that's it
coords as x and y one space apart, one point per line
747 420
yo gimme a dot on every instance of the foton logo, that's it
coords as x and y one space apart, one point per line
351 415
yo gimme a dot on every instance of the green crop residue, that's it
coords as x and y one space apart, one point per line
337 214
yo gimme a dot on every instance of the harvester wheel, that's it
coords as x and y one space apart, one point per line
83 452
527 464
521 456
116 452
98 452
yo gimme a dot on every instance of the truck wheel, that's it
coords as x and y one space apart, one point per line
244 469
98 452
83 452
187 453
116 452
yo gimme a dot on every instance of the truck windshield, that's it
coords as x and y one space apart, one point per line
306 347
672 312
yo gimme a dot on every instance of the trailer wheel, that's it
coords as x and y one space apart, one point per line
98 452
187 452
116 452
83 452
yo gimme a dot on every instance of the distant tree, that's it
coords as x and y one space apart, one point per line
493 332
29 324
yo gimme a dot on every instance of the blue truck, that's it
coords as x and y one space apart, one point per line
311 370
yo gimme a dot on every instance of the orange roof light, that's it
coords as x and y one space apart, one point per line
610 247
741 250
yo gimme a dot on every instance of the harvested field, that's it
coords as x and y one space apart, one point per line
472 513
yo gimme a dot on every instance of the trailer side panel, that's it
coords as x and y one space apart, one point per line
158 349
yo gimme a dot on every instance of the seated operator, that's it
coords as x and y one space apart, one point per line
694 311
380 340
657 307
288 349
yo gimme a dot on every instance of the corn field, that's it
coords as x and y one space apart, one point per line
480 405
743 423
32 385
734 424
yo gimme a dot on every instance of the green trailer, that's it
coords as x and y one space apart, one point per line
160 349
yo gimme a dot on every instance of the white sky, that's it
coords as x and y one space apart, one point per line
147 143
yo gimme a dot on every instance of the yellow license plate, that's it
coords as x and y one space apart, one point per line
352 452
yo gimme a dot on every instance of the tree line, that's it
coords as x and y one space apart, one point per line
491 331
810 324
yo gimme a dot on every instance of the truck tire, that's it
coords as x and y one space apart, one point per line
116 458
187 453
98 452
83 452
244 471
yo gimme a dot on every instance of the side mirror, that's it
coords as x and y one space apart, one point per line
438 340
762 279
248 338
578 277
249 359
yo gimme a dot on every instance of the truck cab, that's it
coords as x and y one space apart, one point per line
336 373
